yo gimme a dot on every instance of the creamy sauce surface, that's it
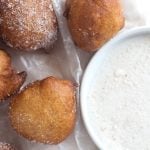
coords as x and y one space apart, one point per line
119 98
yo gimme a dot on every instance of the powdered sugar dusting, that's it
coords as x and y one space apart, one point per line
28 24
120 97
5 146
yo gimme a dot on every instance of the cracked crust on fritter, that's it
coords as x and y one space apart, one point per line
10 80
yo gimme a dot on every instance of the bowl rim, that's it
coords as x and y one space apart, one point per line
122 35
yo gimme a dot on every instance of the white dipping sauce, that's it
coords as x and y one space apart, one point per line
120 97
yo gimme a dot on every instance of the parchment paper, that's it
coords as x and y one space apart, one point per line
65 61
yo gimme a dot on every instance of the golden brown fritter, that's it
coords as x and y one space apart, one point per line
6 146
28 24
10 81
93 22
45 111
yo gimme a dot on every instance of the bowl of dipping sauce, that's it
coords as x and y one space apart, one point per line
115 93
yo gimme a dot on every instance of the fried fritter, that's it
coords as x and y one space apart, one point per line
28 24
10 81
44 111
93 22
6 146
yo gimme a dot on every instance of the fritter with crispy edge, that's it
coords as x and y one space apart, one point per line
45 110
93 22
10 81
28 25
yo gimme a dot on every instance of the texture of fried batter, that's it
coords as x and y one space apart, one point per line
6 146
93 22
10 81
28 24
44 111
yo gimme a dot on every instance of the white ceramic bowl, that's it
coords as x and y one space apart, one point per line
91 71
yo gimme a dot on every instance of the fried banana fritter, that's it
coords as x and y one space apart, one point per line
6 146
28 25
44 111
93 22
10 81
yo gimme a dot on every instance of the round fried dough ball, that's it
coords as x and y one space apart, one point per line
6 146
45 111
28 24
93 22
10 80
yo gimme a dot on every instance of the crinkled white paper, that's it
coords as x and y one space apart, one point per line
68 62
